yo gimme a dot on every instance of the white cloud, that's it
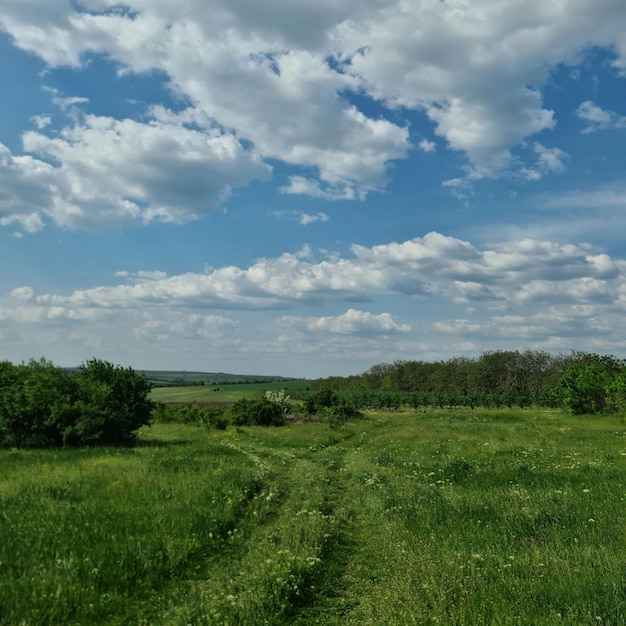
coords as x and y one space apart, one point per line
427 146
523 271
599 119
23 293
351 322
523 293
548 160
475 70
301 217
25 190
41 121
105 172
178 325
315 189
308 218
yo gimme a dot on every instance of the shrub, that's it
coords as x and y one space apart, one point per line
321 399
43 406
339 414
281 397
246 412
215 417
36 404
583 388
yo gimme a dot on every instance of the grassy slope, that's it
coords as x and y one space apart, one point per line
482 518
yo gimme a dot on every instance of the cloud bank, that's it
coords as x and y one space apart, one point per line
328 90
540 293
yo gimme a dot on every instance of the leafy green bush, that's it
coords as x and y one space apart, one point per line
37 404
584 388
215 417
43 406
321 399
263 412
339 414
190 413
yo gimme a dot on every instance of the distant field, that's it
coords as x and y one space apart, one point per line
473 518
222 393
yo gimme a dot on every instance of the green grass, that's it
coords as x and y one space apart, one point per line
469 518
221 393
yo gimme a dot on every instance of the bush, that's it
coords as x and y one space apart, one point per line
215 417
583 388
246 412
339 414
37 404
321 399
43 406
189 413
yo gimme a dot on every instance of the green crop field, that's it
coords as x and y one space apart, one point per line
222 393
443 517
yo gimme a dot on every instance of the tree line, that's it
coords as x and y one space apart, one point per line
42 405
582 382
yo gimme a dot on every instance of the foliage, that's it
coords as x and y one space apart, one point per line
338 415
584 388
263 412
43 406
212 416
37 404
616 393
324 398
113 404
280 397
499 378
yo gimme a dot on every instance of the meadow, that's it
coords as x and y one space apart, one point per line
438 517
229 392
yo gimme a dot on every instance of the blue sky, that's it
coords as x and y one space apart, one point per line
308 189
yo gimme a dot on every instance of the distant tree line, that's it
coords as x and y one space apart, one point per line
582 382
42 405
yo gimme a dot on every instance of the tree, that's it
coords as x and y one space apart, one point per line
616 392
112 404
43 406
584 386
35 404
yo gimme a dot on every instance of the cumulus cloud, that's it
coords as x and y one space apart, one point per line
599 119
283 99
104 172
41 121
524 271
550 159
475 70
276 77
519 293
351 322
26 190
427 146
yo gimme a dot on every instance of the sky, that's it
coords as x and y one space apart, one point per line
308 189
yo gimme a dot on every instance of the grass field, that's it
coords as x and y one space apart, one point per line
473 518
221 393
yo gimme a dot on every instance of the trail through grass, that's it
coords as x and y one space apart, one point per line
441 518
